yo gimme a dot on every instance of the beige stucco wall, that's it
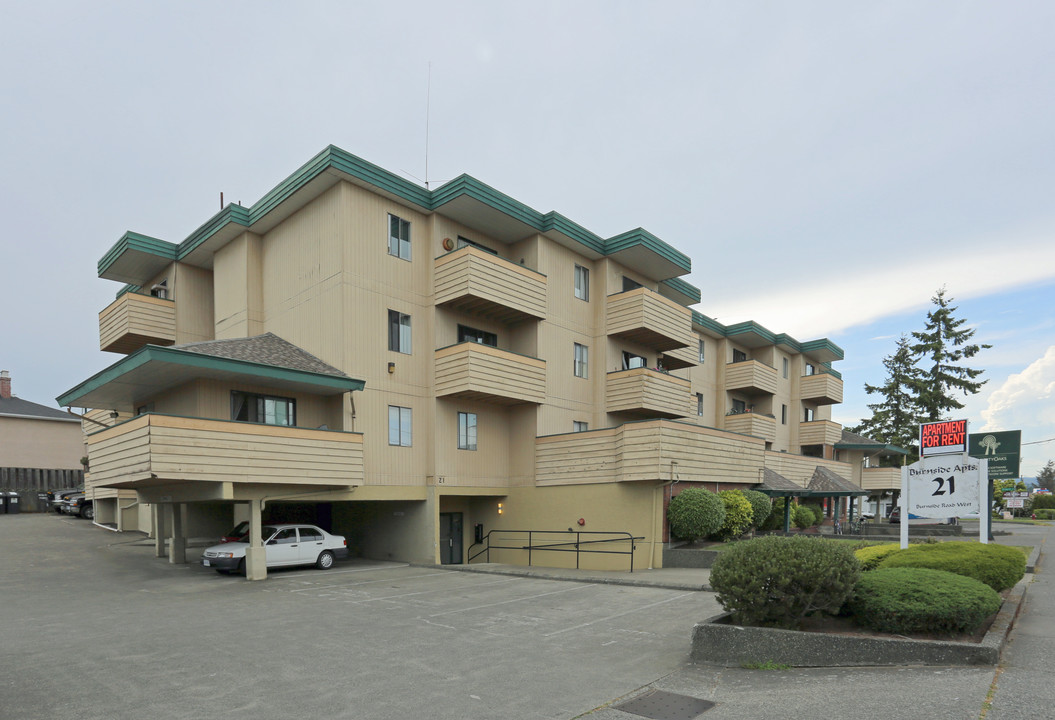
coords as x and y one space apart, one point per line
46 444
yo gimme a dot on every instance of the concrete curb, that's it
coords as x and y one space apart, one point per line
718 643
582 576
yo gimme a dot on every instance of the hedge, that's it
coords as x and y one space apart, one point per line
997 566
871 556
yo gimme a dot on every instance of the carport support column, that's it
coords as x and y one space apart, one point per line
255 561
178 544
158 511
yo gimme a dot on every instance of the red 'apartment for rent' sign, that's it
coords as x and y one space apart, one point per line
940 438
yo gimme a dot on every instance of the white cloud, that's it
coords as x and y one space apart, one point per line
1024 402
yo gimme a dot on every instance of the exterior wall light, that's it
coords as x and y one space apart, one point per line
499 508
391 368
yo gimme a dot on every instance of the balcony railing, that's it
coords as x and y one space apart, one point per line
822 388
881 478
820 432
132 321
475 371
752 377
649 393
474 281
155 449
760 425
649 319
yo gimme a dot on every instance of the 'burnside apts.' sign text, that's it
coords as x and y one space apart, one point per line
943 437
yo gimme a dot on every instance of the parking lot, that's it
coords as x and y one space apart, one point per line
96 627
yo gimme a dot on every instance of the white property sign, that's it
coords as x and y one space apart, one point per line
945 486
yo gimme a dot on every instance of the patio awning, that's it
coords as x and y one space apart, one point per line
826 483
776 485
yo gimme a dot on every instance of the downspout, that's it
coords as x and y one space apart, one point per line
655 513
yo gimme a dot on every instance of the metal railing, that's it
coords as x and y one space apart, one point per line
574 546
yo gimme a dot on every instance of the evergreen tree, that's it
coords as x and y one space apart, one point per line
1046 477
941 346
895 419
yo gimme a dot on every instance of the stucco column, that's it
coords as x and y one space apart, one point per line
255 560
178 543
157 510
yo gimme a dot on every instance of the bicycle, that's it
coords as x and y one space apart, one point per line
856 526
837 527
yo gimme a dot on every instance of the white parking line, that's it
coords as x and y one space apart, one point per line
617 615
433 591
367 582
515 600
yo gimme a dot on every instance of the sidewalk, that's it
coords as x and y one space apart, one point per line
668 578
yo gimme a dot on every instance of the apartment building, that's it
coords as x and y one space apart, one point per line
417 368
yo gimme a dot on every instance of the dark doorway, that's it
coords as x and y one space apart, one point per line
451 538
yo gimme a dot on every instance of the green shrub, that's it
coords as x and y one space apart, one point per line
737 515
1044 501
777 581
802 516
871 556
818 514
1045 514
761 506
913 600
775 519
997 566
695 513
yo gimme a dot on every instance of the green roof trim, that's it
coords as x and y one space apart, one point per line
134 241
686 289
156 353
750 326
874 447
707 323
127 289
640 236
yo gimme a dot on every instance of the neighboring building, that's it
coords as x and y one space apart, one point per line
40 447
404 365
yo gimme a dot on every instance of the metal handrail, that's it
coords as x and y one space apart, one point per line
577 544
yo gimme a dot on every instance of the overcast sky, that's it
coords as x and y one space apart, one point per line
826 165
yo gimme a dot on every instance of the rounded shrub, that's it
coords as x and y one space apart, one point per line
761 506
775 519
871 556
802 517
695 513
818 514
777 581
737 515
921 600
997 566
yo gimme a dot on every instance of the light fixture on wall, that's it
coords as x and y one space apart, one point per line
499 508
391 368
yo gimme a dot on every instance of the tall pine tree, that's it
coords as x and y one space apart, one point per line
940 348
895 418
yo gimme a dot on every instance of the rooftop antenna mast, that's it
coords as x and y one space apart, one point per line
428 99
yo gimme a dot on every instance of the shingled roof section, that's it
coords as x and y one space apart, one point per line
776 485
827 483
266 349
854 439
17 407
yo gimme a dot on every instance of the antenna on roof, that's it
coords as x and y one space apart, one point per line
428 99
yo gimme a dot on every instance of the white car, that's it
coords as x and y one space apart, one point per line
284 545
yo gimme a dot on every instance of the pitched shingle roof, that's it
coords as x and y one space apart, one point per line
826 481
266 349
776 485
24 408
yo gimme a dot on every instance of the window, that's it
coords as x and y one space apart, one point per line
582 360
582 283
398 332
785 367
466 431
399 426
160 290
398 237
284 537
810 370
783 414
309 535
630 284
250 407
701 352
468 334
579 426
699 404
631 361
739 406
807 416
739 355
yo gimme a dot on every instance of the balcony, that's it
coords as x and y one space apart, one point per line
822 389
132 321
752 423
881 478
751 377
820 432
481 372
473 281
160 449
649 319
648 393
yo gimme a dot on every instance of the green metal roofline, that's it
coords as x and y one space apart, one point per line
770 337
156 353
877 447
687 289
134 241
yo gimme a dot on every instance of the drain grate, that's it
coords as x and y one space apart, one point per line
662 705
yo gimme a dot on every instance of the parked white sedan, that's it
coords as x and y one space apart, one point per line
284 545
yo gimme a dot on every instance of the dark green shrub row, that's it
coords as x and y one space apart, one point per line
1043 501
912 600
997 566
1044 513
871 556
777 581
695 513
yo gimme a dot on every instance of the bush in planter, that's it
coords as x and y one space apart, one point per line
737 515
912 600
695 513
775 519
997 566
871 556
802 517
761 506
777 581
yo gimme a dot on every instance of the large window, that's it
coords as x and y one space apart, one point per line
810 369
582 283
398 332
468 334
398 237
250 407
739 355
579 426
466 431
399 426
631 361
582 360
807 414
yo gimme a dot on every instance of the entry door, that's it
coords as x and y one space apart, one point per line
451 538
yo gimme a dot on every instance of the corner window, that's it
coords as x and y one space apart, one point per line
810 370
250 407
699 404
785 367
807 415
582 283
739 356
398 332
466 431
398 237
579 426
468 334
399 426
701 352
582 360
631 361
